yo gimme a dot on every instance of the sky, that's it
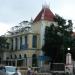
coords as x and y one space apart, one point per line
12 12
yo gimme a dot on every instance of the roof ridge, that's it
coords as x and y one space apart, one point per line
42 16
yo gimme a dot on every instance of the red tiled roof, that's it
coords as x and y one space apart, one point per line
46 13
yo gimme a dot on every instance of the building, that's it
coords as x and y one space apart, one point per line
27 39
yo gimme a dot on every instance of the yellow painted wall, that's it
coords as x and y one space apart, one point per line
37 25
29 41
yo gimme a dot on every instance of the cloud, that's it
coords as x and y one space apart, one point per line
4 28
15 11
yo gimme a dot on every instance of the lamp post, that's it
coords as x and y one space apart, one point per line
68 57
69 65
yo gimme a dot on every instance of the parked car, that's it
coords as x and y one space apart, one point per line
9 70
2 70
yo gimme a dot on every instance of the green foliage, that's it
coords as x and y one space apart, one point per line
3 43
57 39
73 48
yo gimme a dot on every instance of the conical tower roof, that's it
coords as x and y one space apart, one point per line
45 14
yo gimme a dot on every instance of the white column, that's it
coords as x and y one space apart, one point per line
18 45
29 61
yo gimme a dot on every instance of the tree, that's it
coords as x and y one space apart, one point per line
3 43
73 48
57 39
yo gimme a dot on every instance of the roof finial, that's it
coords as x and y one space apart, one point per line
45 5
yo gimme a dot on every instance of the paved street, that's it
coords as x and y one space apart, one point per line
2 73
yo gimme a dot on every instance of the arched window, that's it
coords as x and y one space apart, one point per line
20 61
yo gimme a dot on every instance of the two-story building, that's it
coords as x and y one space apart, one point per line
27 39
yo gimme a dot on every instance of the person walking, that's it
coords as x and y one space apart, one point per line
29 72
35 72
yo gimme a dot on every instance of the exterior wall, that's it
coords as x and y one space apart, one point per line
28 53
38 29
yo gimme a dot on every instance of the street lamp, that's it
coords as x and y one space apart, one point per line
68 49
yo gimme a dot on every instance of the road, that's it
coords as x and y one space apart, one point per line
2 73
